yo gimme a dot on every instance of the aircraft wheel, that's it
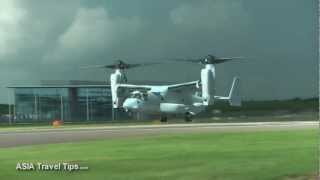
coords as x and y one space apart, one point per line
188 117
163 119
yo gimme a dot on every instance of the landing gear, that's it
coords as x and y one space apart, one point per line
163 119
188 117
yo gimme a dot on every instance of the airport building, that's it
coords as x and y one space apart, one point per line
67 101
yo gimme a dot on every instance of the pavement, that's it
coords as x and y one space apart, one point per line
31 136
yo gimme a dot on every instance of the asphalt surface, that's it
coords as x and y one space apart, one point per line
29 136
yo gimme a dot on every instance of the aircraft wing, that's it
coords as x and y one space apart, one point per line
59 86
184 86
132 87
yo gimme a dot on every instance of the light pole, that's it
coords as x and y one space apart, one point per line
87 103
61 106
35 107
9 107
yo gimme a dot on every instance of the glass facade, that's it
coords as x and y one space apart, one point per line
67 104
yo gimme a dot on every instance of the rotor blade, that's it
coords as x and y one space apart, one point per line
210 59
142 64
224 59
119 65
93 66
187 60
229 58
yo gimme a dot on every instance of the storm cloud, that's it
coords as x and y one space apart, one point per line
50 40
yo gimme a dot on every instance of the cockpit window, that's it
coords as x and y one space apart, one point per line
139 95
136 95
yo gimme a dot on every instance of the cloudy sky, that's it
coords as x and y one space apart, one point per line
50 40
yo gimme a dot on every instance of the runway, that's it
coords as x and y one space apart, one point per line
30 136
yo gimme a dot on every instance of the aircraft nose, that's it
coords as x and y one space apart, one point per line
132 104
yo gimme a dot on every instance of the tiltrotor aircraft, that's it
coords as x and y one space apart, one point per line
187 98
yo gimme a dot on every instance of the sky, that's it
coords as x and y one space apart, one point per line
50 40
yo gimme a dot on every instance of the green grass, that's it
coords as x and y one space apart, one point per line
218 155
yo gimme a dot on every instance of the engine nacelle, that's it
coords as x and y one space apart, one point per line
115 79
208 84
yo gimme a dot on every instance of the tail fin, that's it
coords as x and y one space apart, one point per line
234 94
234 97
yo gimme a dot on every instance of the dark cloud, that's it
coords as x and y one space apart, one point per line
50 40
